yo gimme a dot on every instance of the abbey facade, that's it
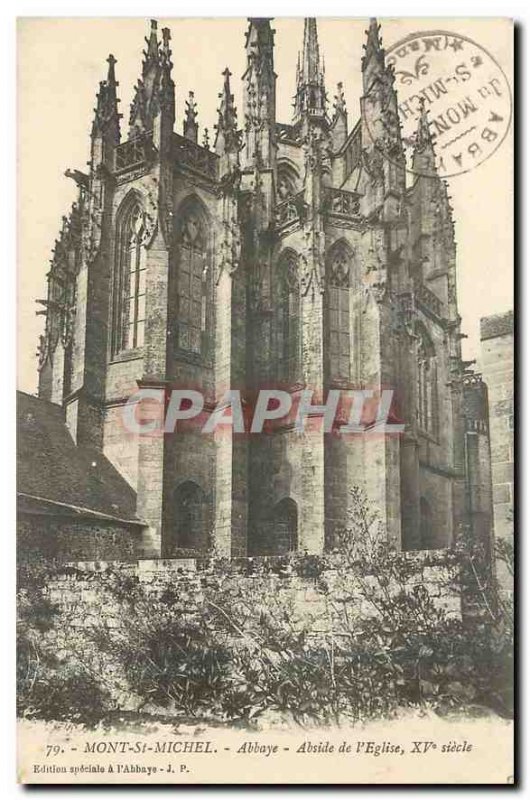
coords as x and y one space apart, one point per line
293 254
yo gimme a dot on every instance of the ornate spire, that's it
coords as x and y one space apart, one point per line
206 139
166 38
383 156
142 107
227 136
310 100
106 116
310 56
339 123
259 94
259 42
151 54
340 100
167 86
373 46
155 89
373 61
190 125
423 158
423 134
111 74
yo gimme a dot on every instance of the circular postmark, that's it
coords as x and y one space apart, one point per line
464 92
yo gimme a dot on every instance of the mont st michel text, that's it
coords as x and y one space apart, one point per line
122 747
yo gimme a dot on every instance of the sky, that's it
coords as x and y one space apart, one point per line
60 64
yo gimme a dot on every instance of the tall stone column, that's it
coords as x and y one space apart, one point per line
230 515
151 448
154 108
312 512
85 403
223 435
380 349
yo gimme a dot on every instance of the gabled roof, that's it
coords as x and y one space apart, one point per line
52 469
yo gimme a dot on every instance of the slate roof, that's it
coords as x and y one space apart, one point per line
496 325
52 468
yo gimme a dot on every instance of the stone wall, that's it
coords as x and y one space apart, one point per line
478 463
310 587
48 536
496 361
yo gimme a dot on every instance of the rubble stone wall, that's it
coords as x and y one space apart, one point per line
311 588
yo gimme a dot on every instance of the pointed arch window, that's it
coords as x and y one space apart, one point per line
192 283
427 387
338 282
288 181
129 280
289 338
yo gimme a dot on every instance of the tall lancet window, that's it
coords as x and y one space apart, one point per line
288 181
427 389
289 335
338 326
129 280
192 284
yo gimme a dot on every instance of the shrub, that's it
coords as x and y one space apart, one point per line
432 657
170 659
50 686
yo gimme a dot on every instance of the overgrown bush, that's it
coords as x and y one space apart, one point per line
51 686
169 659
441 659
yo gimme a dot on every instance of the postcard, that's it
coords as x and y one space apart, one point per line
266 446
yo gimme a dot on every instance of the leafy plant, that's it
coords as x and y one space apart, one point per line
49 685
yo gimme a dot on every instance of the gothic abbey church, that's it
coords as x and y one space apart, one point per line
297 253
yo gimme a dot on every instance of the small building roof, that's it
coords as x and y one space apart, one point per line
52 469
496 325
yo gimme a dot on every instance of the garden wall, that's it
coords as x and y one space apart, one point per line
311 587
